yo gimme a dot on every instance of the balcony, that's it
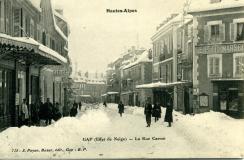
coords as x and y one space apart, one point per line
237 47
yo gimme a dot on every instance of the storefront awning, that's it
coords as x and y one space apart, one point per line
111 93
227 79
28 50
160 85
85 96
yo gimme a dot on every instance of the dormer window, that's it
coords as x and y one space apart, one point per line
215 1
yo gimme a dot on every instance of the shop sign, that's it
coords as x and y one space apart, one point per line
203 100
29 99
223 105
220 48
17 99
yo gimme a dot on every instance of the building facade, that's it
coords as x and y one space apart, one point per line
89 87
218 57
137 72
25 50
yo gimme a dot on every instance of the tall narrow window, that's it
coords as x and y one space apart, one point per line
240 32
214 65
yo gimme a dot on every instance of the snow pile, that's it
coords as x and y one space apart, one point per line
64 133
215 131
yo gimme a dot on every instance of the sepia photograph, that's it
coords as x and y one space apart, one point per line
121 79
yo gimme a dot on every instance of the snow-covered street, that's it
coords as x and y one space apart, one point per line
99 132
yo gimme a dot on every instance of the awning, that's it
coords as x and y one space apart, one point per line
111 93
28 50
85 96
103 95
227 79
160 85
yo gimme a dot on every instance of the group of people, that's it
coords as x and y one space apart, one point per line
155 111
38 112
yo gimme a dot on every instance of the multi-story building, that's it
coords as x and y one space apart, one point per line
112 84
30 40
172 66
89 87
218 56
137 72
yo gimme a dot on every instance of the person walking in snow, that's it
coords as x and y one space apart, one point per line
24 112
104 104
168 114
73 110
156 111
121 108
80 105
47 111
148 112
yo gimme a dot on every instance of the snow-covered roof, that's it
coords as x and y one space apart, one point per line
205 5
36 4
41 47
55 24
159 85
142 58
60 16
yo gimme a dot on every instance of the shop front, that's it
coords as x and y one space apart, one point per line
21 59
228 97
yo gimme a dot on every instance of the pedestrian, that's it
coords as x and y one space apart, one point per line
24 113
148 112
104 104
168 114
73 111
35 112
156 111
80 104
56 113
48 111
121 108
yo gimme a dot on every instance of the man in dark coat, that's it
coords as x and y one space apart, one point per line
121 108
73 110
168 114
148 112
156 111
47 111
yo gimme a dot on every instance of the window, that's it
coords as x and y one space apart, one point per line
2 28
32 29
214 31
240 32
238 64
17 22
214 65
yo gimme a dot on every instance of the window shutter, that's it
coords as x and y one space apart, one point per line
232 31
17 22
222 32
206 33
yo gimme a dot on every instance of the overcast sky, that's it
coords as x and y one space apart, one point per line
98 37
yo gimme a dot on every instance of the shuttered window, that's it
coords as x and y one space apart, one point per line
17 22
214 66
2 27
214 32
32 28
238 64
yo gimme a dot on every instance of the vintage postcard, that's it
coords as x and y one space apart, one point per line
121 79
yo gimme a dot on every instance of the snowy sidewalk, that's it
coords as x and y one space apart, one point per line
99 132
